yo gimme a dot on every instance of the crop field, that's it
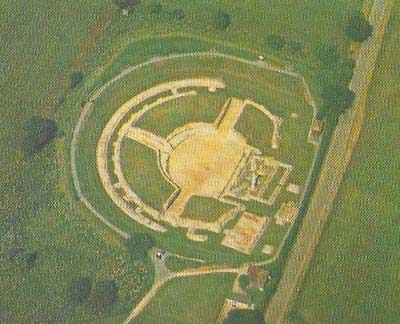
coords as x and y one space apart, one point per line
356 265
43 42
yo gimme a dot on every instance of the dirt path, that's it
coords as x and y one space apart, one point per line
343 142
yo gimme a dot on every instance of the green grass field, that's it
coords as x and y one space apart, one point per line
205 209
194 300
165 118
354 273
141 168
42 43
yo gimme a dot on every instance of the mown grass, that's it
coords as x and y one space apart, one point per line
353 272
165 118
205 209
196 300
140 166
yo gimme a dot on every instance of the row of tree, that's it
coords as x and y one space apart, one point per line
221 19
336 73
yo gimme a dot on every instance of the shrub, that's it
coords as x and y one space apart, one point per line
75 78
178 14
222 20
275 42
358 28
328 55
38 133
105 293
138 244
244 316
79 290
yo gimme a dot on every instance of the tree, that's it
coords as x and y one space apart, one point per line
244 316
126 4
38 133
328 55
275 42
178 14
222 20
337 99
75 78
358 28
105 293
138 244
79 290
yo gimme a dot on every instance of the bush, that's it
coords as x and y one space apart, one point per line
275 42
38 133
244 316
105 293
244 281
79 290
222 20
138 244
75 78
358 28
178 14
328 55
126 4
